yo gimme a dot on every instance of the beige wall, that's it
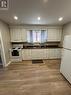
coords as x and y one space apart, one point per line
67 29
5 41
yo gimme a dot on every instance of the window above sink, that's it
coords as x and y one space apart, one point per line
37 36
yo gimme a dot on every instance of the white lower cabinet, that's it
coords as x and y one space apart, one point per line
26 54
52 53
37 53
44 54
55 53
30 54
59 53
47 54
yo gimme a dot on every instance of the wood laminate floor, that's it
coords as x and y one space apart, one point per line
33 79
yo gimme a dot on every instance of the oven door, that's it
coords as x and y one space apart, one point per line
15 53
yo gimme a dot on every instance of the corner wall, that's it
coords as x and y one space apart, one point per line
66 31
5 40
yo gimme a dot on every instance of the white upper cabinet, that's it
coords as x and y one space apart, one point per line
24 35
18 35
54 35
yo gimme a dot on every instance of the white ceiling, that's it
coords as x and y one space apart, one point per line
28 11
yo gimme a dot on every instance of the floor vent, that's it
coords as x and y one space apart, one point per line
37 61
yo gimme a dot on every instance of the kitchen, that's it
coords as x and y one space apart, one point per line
35 47
50 48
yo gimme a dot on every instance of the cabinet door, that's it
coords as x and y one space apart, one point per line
51 34
51 53
24 35
59 34
12 34
58 53
26 54
37 54
47 54
54 53
44 54
23 54
54 34
16 35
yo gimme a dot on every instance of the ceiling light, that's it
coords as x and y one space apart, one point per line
38 18
60 19
15 17
45 1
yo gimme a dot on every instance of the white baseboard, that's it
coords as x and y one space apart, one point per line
8 64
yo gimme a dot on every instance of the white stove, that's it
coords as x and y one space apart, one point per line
16 54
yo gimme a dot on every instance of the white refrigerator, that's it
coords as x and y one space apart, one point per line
65 68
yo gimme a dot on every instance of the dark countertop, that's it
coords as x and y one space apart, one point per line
49 47
46 45
28 43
